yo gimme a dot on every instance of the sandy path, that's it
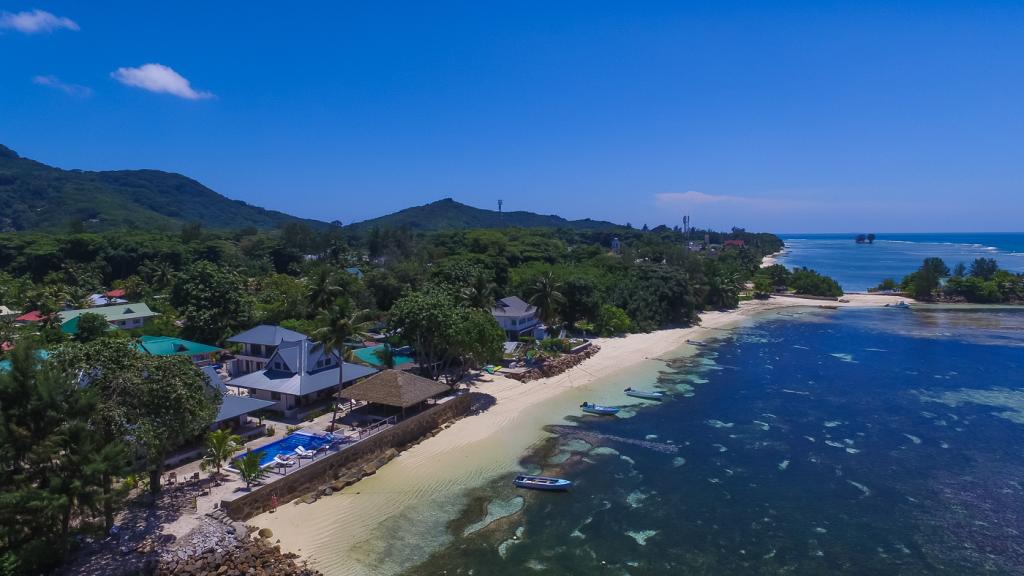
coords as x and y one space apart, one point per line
395 518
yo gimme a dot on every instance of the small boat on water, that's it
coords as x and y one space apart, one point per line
541 483
598 409
696 343
646 395
900 304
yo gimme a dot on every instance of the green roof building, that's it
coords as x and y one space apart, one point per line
123 316
201 354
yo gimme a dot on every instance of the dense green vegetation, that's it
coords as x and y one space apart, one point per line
68 451
447 214
72 429
982 282
209 284
802 281
34 196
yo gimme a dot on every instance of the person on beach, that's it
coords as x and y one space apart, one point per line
273 503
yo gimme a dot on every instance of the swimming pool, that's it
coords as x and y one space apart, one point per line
286 446
369 356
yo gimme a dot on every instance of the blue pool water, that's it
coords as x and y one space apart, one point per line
858 267
369 356
286 446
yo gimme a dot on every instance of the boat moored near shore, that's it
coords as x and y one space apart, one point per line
592 408
645 394
542 483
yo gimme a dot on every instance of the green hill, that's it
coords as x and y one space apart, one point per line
34 196
447 214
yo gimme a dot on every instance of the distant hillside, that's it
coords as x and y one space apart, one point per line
448 214
34 196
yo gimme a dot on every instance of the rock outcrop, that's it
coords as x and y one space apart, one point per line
555 366
249 557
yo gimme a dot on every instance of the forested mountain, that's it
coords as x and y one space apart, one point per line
447 214
34 196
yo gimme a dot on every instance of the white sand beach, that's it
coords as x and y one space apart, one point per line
771 259
395 518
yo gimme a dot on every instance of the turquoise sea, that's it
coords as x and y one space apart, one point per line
813 442
858 267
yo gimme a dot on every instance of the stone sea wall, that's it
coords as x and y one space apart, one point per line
555 366
335 471
249 556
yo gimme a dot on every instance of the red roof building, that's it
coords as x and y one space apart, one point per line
737 243
33 316
116 293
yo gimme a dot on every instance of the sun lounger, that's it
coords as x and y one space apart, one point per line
303 453
279 461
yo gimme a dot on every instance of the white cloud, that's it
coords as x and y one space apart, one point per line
159 78
32 22
57 83
694 198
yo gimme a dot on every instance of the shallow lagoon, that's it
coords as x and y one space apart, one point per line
849 442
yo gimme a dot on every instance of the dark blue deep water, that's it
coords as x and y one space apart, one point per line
858 267
820 442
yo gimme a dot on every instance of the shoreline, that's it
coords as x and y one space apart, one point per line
772 259
408 503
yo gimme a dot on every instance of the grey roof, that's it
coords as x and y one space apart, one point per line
293 370
103 300
296 385
513 306
267 335
234 406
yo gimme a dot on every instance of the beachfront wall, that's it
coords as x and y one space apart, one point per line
348 461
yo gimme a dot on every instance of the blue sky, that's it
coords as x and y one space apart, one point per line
786 117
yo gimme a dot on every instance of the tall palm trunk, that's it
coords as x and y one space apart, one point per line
341 382
154 478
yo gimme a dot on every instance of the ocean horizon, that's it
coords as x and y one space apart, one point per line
858 267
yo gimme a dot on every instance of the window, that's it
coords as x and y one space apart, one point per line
277 366
275 396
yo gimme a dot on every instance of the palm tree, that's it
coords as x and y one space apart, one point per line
546 297
50 300
220 445
386 355
163 274
338 329
323 290
724 289
248 467
481 294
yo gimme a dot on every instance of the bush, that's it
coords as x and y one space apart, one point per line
560 345
887 285
808 282
270 430
612 320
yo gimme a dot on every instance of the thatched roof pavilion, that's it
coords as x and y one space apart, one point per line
394 388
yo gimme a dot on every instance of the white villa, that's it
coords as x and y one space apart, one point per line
258 345
516 317
298 375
